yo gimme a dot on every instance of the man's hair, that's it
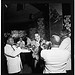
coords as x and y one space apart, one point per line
55 39
9 39
36 33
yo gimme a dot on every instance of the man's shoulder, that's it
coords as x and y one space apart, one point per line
62 52
7 45
45 51
7 48
56 50
67 39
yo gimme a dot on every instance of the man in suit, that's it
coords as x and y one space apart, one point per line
66 45
55 58
12 54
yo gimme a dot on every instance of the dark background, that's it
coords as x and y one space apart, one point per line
17 16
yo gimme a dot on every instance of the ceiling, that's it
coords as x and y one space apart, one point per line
19 12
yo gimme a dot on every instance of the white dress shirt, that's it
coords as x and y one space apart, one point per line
13 58
56 60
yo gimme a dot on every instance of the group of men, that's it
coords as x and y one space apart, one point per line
56 53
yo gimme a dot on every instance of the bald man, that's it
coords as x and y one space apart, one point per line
55 59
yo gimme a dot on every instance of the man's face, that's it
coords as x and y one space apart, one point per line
11 41
37 37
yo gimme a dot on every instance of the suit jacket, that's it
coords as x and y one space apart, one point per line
56 60
12 55
66 44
